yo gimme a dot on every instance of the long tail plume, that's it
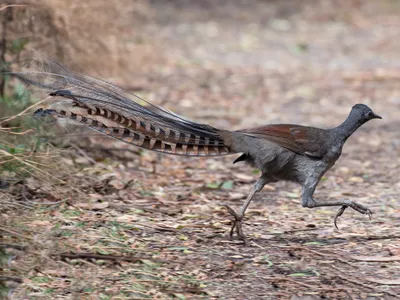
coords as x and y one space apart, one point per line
111 111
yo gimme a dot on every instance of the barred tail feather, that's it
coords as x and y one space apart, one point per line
108 109
137 133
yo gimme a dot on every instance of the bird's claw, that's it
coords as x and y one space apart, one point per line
357 207
237 224
339 213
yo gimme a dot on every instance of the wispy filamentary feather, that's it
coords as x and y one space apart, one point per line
106 108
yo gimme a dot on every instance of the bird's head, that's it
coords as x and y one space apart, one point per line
363 113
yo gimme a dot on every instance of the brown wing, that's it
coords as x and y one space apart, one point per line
299 139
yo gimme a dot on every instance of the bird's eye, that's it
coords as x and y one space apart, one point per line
370 114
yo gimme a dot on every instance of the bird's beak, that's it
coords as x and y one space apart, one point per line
375 116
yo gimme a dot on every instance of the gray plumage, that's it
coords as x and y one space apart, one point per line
287 152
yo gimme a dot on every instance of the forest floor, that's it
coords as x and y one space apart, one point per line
158 224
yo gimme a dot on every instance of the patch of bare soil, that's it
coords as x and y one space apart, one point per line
136 225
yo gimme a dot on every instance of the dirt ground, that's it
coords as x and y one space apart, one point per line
157 222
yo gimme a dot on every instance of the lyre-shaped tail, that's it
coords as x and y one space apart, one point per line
109 110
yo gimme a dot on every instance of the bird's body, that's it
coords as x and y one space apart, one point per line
276 160
287 152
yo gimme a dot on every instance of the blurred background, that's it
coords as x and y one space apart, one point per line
181 50
231 64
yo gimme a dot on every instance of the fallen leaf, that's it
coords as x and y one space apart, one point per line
118 184
40 223
356 179
314 243
106 176
269 188
149 263
293 195
227 185
236 196
244 177
180 296
182 237
213 185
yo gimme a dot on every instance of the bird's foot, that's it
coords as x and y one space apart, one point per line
357 207
237 225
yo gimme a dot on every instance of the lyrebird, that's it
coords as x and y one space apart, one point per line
289 152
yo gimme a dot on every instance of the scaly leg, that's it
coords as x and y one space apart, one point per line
237 223
345 204
308 201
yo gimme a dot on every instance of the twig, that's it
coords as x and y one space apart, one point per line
257 245
384 281
170 229
14 246
15 233
23 194
12 5
102 257
358 281
301 230
126 207
47 203
355 281
311 287
183 289
6 117
18 133
16 204
30 165
374 237
290 280
25 110
321 254
376 258
84 154
9 278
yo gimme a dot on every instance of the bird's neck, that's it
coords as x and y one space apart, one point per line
347 128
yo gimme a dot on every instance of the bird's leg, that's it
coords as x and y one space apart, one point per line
308 201
237 223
